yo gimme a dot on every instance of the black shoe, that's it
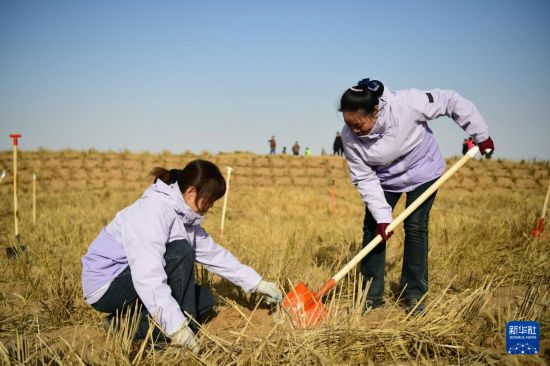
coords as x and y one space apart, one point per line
373 304
108 322
416 306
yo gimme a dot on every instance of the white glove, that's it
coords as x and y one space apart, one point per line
185 337
270 290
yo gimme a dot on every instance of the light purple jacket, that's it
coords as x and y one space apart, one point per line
137 237
400 153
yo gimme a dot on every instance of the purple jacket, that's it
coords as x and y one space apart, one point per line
400 153
137 237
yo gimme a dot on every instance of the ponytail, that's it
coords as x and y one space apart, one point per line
167 176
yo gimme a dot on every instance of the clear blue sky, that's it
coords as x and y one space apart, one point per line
226 75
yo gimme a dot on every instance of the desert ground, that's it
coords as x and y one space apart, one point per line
485 268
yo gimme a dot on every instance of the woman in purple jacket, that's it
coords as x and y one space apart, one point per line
146 256
390 150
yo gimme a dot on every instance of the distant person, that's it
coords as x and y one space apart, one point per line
146 255
323 151
464 147
284 150
272 145
296 149
338 146
308 151
470 143
390 150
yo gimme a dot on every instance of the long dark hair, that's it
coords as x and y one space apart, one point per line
364 96
201 174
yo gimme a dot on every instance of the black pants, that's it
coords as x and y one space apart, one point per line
414 275
197 301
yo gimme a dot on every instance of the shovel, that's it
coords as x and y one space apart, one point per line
305 306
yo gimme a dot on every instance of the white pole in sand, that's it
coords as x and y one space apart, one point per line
229 170
34 198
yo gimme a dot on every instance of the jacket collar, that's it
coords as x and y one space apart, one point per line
381 124
187 215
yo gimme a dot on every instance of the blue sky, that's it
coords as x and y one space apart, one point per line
225 76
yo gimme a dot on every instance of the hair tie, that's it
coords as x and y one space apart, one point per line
174 175
355 89
371 85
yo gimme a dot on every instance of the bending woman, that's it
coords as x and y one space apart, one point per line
391 150
147 254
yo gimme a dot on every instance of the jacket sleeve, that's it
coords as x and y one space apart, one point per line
144 239
368 185
431 104
220 261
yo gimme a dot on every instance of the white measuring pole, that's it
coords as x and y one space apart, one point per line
15 213
34 198
545 202
229 170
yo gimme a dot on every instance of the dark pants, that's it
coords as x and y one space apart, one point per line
414 275
196 301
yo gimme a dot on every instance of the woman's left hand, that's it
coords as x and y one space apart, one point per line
271 291
486 146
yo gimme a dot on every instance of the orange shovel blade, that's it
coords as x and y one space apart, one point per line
304 306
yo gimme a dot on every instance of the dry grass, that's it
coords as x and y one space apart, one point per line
484 268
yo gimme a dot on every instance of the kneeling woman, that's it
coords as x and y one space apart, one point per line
147 254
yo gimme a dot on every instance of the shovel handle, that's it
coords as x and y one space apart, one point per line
545 202
374 242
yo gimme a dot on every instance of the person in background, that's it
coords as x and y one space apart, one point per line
464 147
308 151
296 149
145 256
390 150
338 146
272 145
470 143
284 150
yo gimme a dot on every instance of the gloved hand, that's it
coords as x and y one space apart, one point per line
487 144
185 337
271 291
381 229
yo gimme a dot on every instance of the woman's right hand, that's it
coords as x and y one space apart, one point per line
185 337
381 229
271 291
